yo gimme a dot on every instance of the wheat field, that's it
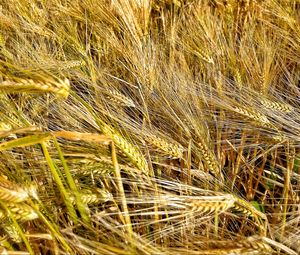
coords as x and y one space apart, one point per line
150 127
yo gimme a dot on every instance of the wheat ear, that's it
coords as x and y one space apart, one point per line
249 210
247 246
22 212
172 149
252 115
78 136
129 149
93 198
282 107
200 204
203 55
97 168
12 192
118 98
209 159
71 64
102 166
59 87
210 204
13 233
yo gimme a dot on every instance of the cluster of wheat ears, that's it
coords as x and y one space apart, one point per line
149 127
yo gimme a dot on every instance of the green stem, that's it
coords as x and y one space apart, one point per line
71 182
59 183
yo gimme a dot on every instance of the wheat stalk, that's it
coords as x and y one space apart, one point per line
78 136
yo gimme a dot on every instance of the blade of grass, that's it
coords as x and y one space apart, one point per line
59 183
77 136
19 131
71 182
24 141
